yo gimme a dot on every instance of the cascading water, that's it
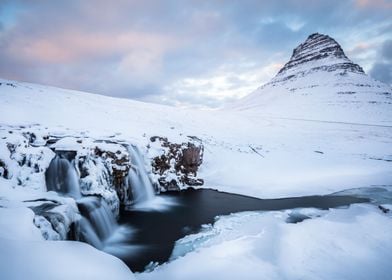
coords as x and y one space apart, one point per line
61 177
97 223
138 180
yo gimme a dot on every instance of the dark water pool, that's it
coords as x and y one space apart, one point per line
157 231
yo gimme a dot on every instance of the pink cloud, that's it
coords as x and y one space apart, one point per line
361 48
383 4
71 46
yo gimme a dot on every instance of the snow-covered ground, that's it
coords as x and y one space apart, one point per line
24 254
245 152
353 243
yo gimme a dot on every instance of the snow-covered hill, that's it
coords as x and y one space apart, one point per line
246 153
320 83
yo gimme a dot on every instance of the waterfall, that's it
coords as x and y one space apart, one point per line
97 223
61 177
137 179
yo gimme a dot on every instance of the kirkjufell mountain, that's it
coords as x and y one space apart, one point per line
323 52
321 83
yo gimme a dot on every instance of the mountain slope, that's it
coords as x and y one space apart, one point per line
320 83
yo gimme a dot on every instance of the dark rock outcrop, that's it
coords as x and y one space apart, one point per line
3 170
384 209
179 164
118 170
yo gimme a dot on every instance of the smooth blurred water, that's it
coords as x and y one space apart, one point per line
138 180
99 228
61 177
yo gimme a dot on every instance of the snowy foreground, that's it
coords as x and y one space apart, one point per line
354 243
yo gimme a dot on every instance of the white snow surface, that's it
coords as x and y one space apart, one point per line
324 96
25 255
353 243
246 152
58 260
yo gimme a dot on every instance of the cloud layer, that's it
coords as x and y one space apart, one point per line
185 53
382 69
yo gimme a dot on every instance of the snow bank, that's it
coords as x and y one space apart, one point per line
353 243
25 255
58 260
17 224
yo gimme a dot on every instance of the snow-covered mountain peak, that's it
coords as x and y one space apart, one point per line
321 83
319 52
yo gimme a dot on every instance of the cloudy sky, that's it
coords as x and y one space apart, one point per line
184 53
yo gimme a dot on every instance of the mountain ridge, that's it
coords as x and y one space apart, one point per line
318 47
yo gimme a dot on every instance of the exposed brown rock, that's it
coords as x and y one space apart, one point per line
179 164
120 164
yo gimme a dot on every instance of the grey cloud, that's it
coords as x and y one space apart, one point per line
382 72
387 50
382 69
208 36
142 92
191 100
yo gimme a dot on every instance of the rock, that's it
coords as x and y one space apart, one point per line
190 159
120 165
193 181
295 218
46 228
167 185
384 209
103 172
178 164
53 218
30 136
3 170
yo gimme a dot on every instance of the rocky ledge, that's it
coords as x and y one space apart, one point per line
176 165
